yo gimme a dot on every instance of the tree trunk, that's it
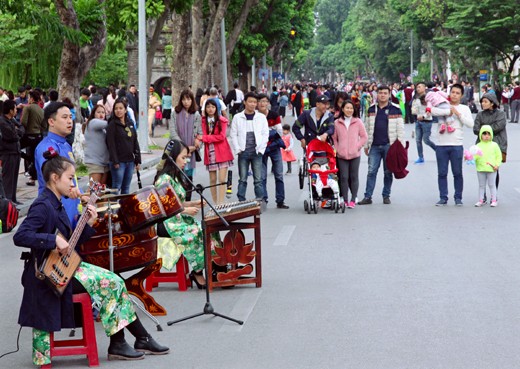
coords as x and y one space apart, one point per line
181 70
197 45
75 61
203 55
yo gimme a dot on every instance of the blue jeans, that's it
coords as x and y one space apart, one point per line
446 155
423 131
122 176
375 155
244 159
277 163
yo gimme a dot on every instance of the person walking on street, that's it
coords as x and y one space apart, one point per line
10 134
349 138
317 122
487 164
450 150
35 126
515 103
273 152
249 136
423 123
385 125
492 116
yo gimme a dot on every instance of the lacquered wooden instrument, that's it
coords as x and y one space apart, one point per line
58 269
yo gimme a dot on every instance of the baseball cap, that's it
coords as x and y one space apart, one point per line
322 99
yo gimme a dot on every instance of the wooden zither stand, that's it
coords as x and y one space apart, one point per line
236 254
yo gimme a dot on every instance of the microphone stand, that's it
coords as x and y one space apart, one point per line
208 308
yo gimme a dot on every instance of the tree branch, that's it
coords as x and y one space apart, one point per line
257 27
239 26
219 15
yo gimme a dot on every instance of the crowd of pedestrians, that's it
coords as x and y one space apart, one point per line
247 129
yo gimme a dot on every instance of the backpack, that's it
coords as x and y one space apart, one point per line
8 215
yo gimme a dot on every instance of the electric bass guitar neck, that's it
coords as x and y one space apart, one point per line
58 268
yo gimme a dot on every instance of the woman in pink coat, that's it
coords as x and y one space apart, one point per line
217 152
349 138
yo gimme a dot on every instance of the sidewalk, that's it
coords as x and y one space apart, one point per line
26 194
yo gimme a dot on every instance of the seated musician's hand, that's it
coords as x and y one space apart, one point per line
74 193
192 211
62 245
92 212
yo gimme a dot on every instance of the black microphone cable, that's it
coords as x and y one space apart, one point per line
17 344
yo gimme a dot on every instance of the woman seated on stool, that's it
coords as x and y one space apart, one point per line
45 311
183 228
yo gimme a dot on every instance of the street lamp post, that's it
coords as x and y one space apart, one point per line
143 78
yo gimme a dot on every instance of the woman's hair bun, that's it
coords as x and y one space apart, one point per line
50 153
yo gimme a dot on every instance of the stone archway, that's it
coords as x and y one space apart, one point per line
162 82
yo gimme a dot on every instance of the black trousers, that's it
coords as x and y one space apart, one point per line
10 169
30 141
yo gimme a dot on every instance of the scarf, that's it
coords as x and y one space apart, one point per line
185 125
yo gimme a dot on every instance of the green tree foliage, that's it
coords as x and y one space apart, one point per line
268 30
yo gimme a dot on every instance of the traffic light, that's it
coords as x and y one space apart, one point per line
292 33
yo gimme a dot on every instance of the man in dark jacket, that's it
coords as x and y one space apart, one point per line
313 95
318 122
11 133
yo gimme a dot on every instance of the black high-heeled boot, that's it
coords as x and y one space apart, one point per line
193 277
119 349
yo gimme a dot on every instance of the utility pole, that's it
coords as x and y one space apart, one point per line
143 78
224 59
253 73
411 56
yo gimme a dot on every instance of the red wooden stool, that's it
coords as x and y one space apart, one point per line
180 276
86 345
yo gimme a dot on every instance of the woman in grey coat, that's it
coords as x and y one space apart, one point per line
494 117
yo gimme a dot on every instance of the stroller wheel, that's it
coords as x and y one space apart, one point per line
316 206
306 206
336 206
301 177
343 207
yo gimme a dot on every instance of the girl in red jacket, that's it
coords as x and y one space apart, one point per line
217 152
349 138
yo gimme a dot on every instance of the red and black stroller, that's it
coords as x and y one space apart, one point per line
323 154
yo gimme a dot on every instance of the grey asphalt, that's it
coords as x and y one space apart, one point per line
406 285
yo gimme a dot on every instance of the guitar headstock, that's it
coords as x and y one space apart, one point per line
96 189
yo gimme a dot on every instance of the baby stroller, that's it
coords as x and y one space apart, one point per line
323 154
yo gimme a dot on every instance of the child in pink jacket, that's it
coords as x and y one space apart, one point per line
439 99
349 138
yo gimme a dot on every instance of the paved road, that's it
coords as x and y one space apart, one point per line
406 285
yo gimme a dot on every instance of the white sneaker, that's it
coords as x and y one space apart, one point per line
479 204
494 203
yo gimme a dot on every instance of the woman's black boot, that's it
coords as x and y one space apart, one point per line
119 349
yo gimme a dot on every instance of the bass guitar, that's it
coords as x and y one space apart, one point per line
57 269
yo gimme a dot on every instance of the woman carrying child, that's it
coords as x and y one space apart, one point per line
45 311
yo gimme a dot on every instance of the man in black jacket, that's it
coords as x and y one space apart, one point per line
11 133
317 122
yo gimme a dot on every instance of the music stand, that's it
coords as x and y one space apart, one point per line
208 308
